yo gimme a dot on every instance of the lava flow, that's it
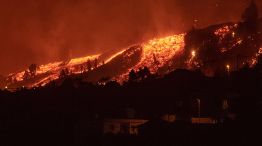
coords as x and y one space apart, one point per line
49 72
157 53
207 49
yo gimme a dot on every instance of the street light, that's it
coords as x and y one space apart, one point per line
228 69
193 53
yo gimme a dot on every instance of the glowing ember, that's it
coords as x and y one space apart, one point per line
225 31
254 59
222 32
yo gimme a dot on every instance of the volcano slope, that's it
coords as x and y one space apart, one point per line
216 49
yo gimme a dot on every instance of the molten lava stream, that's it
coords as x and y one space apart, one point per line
156 53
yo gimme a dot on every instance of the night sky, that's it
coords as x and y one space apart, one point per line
40 31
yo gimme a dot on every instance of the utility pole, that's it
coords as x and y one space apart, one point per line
199 109
237 62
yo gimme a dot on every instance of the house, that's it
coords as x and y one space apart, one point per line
169 117
195 120
122 126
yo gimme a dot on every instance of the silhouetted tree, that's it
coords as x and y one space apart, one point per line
146 71
258 66
259 60
82 69
33 69
251 13
95 63
140 73
249 29
26 75
89 65
104 79
155 59
64 73
132 76
112 84
143 73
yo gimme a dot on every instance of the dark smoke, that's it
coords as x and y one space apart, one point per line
40 31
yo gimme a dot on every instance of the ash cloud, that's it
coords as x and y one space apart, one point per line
40 31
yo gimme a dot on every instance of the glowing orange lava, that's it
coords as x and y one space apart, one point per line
52 70
254 59
157 52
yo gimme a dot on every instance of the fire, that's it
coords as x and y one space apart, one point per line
112 57
157 55
53 70
78 61
157 52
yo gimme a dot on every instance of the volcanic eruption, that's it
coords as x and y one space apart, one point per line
213 50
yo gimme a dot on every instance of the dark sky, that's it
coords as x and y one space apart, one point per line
40 31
